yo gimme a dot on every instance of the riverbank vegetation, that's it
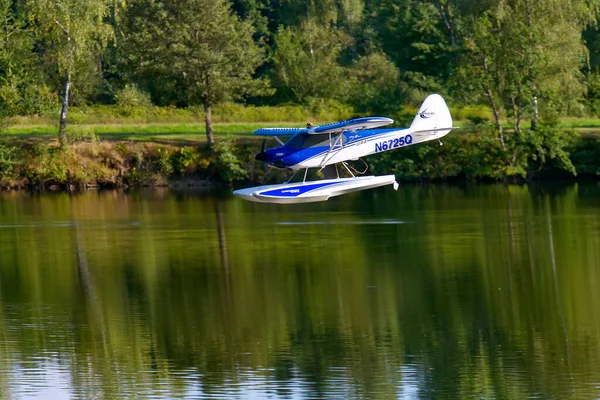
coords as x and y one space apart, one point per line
129 89
35 164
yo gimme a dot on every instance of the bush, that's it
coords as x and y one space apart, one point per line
45 164
4 124
187 160
77 133
8 159
164 161
585 156
131 96
547 145
227 166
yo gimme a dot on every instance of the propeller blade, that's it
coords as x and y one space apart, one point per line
262 156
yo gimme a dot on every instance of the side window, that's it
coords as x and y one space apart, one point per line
296 141
316 140
303 140
336 136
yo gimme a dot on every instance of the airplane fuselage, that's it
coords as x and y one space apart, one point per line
315 151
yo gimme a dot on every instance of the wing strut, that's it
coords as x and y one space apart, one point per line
325 159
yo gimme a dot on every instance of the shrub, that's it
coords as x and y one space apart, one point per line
547 144
186 160
164 161
226 165
8 159
131 96
76 133
46 164
4 124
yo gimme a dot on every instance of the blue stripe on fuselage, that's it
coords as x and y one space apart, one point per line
355 136
291 156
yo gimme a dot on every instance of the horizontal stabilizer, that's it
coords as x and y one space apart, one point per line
434 131
278 131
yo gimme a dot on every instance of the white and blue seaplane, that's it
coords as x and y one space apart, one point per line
326 146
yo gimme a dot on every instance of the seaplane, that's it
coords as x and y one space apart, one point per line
327 146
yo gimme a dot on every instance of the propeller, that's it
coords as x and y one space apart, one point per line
262 156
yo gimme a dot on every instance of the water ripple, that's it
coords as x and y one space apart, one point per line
363 222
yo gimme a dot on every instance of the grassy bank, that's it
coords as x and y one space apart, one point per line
158 146
38 164
27 163
176 132
186 125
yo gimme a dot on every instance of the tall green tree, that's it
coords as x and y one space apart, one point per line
21 89
72 33
377 84
200 46
306 61
531 54
420 37
525 59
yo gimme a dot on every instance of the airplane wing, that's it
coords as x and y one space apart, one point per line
277 131
351 124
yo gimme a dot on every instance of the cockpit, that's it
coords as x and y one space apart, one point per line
304 140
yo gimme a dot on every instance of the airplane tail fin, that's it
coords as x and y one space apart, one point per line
433 116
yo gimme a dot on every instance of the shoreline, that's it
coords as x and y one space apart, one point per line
36 165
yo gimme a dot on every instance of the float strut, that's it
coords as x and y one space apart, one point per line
348 169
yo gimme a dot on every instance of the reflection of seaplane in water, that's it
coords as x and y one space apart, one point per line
325 146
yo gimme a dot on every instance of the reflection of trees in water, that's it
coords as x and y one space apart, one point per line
466 299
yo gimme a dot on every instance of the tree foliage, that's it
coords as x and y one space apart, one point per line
22 91
529 62
306 62
74 34
206 52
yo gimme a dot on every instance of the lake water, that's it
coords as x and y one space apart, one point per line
433 291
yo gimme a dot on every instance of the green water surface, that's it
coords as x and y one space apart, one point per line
433 291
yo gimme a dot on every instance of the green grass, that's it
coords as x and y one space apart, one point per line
144 132
580 123
195 131
221 113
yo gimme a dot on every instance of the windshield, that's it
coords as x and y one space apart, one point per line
304 140
296 141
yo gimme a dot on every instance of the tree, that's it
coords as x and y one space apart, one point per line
533 54
21 89
378 87
306 61
198 45
72 33
419 36
525 59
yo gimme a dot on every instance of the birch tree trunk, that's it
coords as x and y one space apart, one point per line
62 134
208 120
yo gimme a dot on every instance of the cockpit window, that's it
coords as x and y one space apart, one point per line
295 142
315 140
304 140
